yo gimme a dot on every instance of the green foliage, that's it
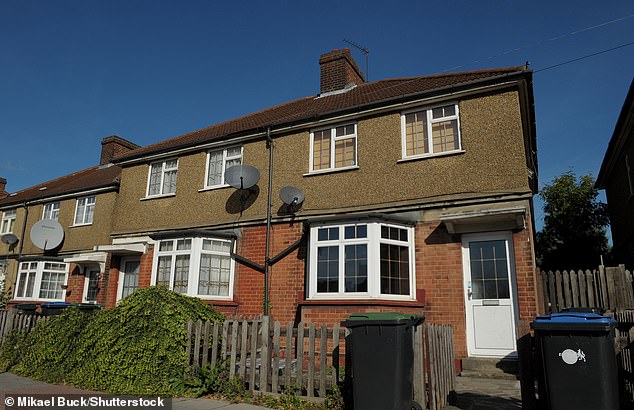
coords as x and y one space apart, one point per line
10 350
575 221
136 348
213 381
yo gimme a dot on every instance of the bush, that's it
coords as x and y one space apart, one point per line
136 348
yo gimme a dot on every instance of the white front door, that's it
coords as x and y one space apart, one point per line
490 295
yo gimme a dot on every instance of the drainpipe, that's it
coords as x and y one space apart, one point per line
269 145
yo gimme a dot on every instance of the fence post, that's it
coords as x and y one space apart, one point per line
265 358
419 367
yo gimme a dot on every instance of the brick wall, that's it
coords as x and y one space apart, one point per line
338 69
75 289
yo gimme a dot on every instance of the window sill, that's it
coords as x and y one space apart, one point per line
213 188
419 302
220 302
147 198
425 156
330 171
80 225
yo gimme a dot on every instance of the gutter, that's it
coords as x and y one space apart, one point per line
61 196
357 112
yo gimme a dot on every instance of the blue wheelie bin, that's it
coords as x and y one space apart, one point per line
579 361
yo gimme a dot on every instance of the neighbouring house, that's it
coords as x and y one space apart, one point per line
79 207
417 197
617 178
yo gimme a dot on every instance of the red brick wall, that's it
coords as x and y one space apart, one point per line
525 272
75 290
112 277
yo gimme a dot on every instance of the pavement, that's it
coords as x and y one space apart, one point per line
475 393
12 384
472 394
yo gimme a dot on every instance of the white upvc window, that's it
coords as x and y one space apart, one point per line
431 131
362 260
41 280
162 177
85 210
8 221
333 148
51 211
200 267
217 163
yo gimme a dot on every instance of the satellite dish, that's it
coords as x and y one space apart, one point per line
291 196
9 238
47 234
242 176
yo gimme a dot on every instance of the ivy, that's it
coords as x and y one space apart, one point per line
136 348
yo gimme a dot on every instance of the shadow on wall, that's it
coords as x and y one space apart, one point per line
440 236
242 199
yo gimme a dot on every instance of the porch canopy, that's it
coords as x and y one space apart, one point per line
470 220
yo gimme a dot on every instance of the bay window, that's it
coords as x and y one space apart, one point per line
41 280
363 260
195 266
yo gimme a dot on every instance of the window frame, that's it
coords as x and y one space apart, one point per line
225 158
9 218
373 241
37 284
428 109
51 211
87 272
94 207
333 140
195 252
163 171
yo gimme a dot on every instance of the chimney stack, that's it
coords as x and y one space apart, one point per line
338 70
3 185
113 146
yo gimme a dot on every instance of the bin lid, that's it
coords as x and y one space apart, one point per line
382 318
578 321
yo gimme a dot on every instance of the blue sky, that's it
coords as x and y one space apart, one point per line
73 72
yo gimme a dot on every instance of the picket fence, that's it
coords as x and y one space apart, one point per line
608 288
11 319
307 359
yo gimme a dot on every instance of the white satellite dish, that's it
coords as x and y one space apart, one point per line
9 239
242 176
291 196
47 234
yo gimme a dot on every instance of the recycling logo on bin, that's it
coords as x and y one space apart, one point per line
569 356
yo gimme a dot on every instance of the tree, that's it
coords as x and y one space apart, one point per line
575 221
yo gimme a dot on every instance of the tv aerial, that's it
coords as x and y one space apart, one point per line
47 234
291 196
242 176
9 239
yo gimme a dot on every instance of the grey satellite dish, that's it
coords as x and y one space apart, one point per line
242 176
291 196
9 239
47 234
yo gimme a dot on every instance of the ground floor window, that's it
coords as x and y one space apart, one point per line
195 266
41 280
362 260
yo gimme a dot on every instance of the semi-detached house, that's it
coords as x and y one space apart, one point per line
417 198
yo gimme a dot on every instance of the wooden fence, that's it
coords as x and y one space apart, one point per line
11 319
608 288
307 359
624 344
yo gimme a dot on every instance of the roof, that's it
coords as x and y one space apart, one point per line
81 181
319 107
618 140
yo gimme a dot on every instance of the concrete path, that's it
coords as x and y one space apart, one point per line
11 384
487 394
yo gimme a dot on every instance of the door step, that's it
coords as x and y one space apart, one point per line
505 369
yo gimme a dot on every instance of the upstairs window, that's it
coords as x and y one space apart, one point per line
51 211
85 210
431 131
199 267
333 148
370 260
217 163
8 221
162 178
